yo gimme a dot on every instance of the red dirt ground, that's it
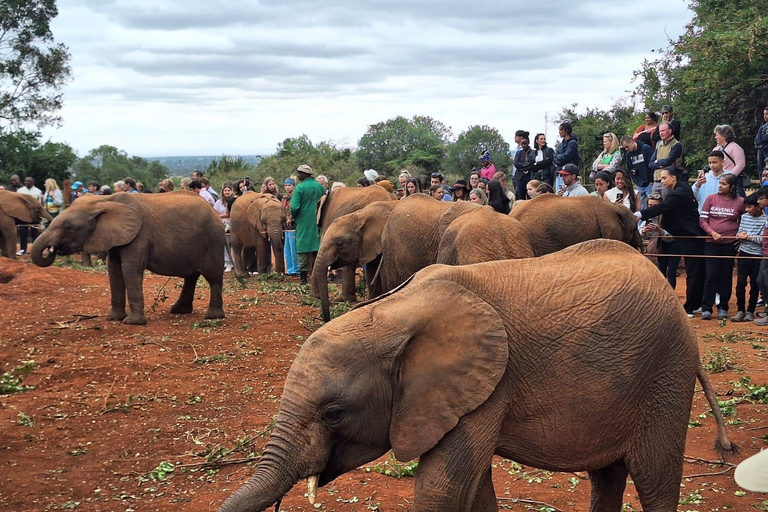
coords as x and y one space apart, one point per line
109 403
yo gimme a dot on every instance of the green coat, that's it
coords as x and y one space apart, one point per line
304 212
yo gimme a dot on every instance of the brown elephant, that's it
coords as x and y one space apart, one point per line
17 207
343 201
601 385
412 235
173 234
483 235
256 220
553 222
352 240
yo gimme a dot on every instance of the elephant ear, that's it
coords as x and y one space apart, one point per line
16 205
320 212
114 224
371 230
444 374
253 214
611 223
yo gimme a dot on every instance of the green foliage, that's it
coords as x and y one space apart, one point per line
715 73
33 69
719 361
24 420
590 126
160 473
107 164
326 158
420 143
464 154
228 169
10 382
391 467
22 153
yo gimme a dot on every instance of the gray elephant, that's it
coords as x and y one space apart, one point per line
483 235
335 204
174 234
553 222
350 241
257 221
601 385
17 207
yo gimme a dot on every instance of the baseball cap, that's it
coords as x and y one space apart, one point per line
569 169
76 185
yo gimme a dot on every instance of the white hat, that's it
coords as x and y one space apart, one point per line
305 169
752 473
371 174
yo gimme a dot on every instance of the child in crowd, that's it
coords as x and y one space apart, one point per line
749 235
762 277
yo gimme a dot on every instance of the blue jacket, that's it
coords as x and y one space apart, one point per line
567 152
637 164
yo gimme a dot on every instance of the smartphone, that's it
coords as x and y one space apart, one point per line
620 195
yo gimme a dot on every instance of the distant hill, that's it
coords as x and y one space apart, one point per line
184 165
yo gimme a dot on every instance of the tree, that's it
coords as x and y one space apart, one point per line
715 73
22 153
338 164
621 119
464 154
420 142
33 69
107 164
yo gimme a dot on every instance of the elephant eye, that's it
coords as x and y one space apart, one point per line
332 415
339 243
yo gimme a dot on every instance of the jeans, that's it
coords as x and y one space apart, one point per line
746 268
644 193
24 233
719 278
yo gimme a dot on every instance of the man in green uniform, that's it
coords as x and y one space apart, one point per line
303 210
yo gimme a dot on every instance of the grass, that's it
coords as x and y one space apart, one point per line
74 264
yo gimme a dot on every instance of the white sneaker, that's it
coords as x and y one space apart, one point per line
21 253
228 268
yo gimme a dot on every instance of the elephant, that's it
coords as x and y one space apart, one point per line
553 222
602 383
352 240
411 237
173 234
255 221
17 207
483 235
343 201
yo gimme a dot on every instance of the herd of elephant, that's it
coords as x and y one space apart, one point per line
544 361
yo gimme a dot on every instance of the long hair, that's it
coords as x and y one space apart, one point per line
731 180
479 193
496 197
630 188
50 184
536 142
415 182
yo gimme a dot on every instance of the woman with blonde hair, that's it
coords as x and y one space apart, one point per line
478 196
609 158
270 187
52 199
166 185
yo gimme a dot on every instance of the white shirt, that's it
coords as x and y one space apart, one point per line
34 192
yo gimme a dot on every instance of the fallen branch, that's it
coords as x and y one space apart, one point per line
158 297
218 463
707 461
727 470
106 398
530 502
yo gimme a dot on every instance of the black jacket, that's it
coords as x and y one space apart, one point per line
680 210
543 170
567 152
524 161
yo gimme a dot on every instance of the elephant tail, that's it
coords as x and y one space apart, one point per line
723 445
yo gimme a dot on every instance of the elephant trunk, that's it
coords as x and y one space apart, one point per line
276 237
42 252
320 274
47 216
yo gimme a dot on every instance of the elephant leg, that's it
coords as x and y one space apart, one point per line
374 287
117 289
133 276
608 485
237 259
262 254
215 304
85 259
485 499
348 283
656 467
183 305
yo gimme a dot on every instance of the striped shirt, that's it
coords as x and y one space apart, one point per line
754 227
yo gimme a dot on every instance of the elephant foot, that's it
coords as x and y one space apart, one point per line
214 313
135 319
116 315
181 309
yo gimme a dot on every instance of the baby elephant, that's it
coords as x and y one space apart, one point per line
578 375
174 234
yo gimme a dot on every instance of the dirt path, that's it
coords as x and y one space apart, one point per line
113 408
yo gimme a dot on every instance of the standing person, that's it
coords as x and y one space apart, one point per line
542 163
291 256
474 179
403 177
53 199
196 187
94 188
569 175
655 227
15 184
623 191
496 198
750 237
524 165
488 169
567 152
762 276
269 186
412 186
638 157
29 189
668 153
645 131
707 183
460 191
609 158
761 141
603 183
502 178
667 117
681 219
720 219
76 190
223 206
477 196
735 160
303 207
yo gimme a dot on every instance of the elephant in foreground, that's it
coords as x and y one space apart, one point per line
483 235
553 222
255 221
335 204
352 240
602 385
412 235
174 234
17 207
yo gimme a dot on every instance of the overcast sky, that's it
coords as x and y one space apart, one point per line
213 77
